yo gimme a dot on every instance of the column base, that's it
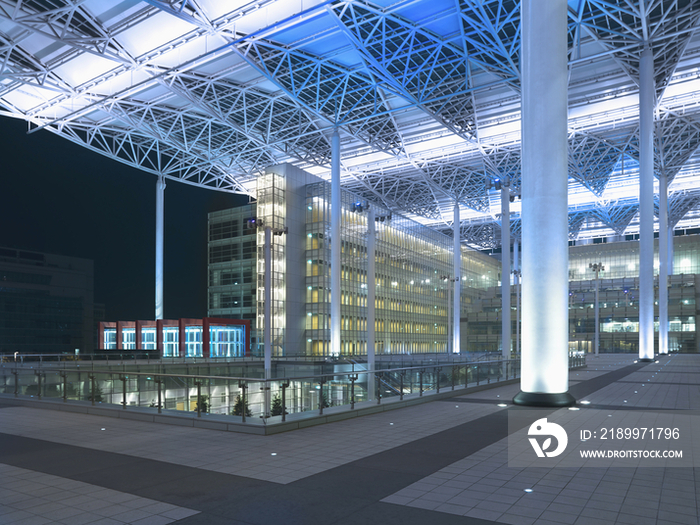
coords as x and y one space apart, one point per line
539 399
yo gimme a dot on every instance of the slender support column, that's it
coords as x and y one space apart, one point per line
335 244
267 310
160 221
597 316
505 273
457 261
646 206
670 249
663 264
597 268
449 288
516 273
371 282
545 265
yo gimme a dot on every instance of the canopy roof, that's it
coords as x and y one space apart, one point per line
425 93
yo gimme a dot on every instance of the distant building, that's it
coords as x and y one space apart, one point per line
414 267
618 300
206 337
46 303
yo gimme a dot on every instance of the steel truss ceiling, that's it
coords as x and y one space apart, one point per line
426 95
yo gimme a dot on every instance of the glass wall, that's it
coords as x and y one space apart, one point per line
232 264
621 259
413 276
227 341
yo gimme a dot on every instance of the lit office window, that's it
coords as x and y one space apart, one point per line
193 341
110 335
227 341
149 338
171 341
128 339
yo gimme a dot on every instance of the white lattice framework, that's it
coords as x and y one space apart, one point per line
426 95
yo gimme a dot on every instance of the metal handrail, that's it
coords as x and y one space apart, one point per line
295 378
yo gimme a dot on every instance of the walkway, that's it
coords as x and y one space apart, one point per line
443 462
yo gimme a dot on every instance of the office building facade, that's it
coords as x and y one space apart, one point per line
413 265
618 298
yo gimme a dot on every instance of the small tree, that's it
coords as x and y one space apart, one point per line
239 407
277 409
203 404
323 402
98 393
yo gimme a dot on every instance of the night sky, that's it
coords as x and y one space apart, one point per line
57 197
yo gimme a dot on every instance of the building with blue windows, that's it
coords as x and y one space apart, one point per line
207 338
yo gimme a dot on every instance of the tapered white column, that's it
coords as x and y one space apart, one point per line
663 264
505 273
457 263
335 244
371 288
545 248
646 206
160 226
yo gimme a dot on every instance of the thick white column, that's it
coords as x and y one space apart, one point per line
646 206
457 262
335 244
371 290
545 248
663 264
160 226
505 273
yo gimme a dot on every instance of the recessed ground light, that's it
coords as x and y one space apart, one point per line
274 454
585 402
456 406
528 490
391 423
502 405
103 429
625 401
574 408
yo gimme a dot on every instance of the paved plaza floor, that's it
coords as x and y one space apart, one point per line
444 462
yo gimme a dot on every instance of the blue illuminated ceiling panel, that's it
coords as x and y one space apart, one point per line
425 94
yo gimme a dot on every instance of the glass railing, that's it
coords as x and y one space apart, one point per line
341 387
